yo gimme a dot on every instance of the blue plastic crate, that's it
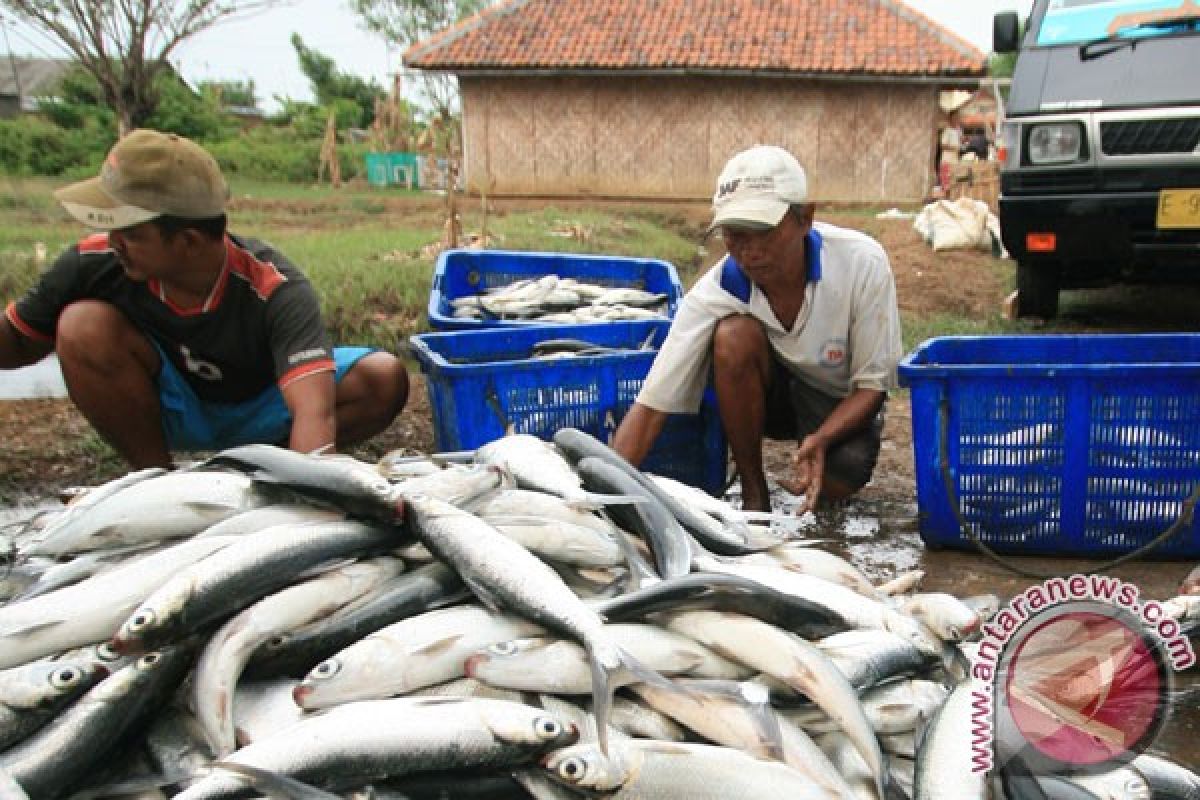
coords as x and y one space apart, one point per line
480 381
1068 445
459 273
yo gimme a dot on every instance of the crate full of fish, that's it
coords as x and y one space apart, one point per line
509 288
1081 445
538 379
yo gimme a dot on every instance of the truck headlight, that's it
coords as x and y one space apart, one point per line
1055 143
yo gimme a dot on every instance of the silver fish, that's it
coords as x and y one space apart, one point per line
650 770
227 651
561 666
253 566
1118 784
71 617
168 506
737 715
947 616
870 657
944 765
428 587
420 651
358 743
333 480
57 756
790 659
505 575
263 708
537 465
33 694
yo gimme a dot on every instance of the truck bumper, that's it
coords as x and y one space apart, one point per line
1100 238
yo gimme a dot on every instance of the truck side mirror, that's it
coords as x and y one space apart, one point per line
1005 31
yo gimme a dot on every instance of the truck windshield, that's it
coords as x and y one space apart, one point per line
1102 21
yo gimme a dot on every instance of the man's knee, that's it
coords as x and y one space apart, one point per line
379 382
92 331
740 341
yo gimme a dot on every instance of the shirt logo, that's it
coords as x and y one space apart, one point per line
833 353
205 370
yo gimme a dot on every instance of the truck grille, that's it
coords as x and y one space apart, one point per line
1150 136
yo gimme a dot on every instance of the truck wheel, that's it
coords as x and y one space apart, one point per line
1037 291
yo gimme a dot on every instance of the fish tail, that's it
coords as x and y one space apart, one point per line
604 672
611 669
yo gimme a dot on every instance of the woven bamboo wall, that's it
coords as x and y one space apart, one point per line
668 137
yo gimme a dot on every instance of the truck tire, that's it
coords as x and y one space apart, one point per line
1037 291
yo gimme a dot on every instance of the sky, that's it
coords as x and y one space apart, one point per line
258 47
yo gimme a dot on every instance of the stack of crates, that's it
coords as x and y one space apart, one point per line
483 380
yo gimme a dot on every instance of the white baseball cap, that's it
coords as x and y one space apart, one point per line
757 186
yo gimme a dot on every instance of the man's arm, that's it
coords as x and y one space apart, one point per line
314 418
854 413
637 432
18 350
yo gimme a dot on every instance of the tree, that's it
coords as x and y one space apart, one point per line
407 22
124 44
334 88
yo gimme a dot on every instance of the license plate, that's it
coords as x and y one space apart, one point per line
1179 208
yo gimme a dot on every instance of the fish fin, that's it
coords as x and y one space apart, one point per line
29 628
274 784
640 571
483 593
757 701
436 646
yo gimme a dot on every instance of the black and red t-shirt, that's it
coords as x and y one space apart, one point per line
260 325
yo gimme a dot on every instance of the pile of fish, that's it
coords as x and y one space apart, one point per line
543 621
553 299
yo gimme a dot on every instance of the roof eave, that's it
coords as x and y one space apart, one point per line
965 78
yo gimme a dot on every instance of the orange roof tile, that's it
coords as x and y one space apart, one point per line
851 37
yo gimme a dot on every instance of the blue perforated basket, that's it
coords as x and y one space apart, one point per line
460 273
481 381
1065 445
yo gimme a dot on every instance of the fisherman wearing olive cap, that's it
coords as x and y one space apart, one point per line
174 334
798 329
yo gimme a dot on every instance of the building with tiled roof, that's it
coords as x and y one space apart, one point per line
648 98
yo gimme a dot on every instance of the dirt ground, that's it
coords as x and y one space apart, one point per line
41 456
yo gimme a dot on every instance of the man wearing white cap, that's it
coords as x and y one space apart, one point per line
798 328
174 334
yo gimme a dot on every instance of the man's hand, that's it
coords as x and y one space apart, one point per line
808 471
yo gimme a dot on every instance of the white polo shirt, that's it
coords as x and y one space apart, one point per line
846 336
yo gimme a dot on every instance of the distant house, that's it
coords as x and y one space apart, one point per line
648 98
24 80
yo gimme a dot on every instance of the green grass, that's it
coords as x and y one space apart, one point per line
370 251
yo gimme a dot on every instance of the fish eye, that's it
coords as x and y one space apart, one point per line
572 769
508 648
105 652
277 641
141 620
65 678
548 727
149 660
326 669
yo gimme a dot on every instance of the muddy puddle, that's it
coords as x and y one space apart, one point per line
881 539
